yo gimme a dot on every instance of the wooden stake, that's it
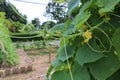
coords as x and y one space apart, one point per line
50 50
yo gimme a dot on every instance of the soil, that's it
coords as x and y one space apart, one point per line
41 65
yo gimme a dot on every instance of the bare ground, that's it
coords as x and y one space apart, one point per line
41 65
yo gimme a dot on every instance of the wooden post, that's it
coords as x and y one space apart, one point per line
50 50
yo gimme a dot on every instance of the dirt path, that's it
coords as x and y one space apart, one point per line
41 64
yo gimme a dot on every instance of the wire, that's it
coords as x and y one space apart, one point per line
30 2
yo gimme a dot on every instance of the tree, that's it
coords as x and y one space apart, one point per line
12 12
2 1
36 22
90 42
56 12
50 24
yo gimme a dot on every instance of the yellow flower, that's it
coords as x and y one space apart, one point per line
87 35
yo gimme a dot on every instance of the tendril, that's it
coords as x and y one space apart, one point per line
98 51
100 42
107 38
96 27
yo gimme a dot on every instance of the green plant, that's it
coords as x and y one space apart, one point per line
33 45
89 47
7 50
28 28
17 25
17 44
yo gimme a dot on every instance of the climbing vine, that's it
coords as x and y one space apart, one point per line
90 42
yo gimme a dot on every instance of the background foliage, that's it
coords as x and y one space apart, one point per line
56 12
11 12
7 50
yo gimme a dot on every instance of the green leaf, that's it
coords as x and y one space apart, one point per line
83 14
49 71
86 55
81 18
79 72
107 5
58 1
115 21
62 53
58 64
105 67
86 5
2 17
115 76
59 28
69 30
95 18
61 75
116 41
73 5
63 29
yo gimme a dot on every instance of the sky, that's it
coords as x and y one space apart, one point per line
31 10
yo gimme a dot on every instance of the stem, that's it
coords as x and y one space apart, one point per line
18 37
68 36
92 28
113 27
115 15
88 24
67 60
73 35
